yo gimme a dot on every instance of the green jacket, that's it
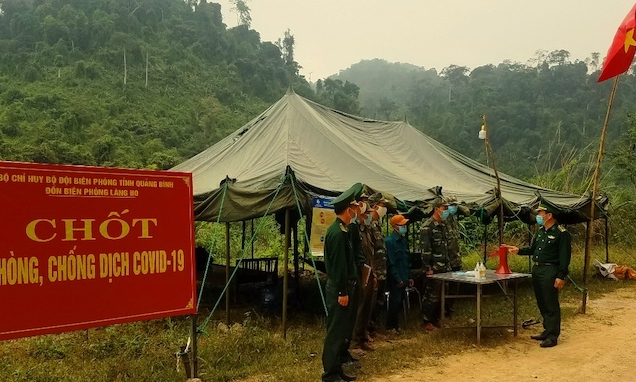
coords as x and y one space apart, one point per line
339 262
434 243
398 260
553 246
452 227
355 235
379 246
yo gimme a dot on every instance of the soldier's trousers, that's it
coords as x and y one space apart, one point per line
354 298
336 340
543 277
365 305
431 300
396 299
379 305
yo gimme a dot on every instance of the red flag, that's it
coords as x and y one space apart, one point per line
621 53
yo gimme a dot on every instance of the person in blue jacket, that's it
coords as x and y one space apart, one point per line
398 264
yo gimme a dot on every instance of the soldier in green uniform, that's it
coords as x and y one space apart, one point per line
378 210
359 259
435 259
342 278
551 251
374 254
452 228
455 258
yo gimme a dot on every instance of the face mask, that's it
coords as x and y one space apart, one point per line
368 219
354 217
381 211
402 230
445 214
452 209
539 220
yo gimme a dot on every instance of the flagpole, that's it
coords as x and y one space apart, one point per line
590 231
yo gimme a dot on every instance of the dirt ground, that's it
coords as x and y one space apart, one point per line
597 346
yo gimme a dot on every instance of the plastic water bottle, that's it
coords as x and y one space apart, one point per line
482 271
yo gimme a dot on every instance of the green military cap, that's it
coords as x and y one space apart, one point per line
547 208
348 197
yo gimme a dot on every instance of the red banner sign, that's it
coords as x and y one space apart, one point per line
82 247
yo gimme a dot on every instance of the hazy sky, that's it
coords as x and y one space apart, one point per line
332 35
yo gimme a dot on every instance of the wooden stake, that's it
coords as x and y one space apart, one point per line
498 191
286 273
227 273
194 364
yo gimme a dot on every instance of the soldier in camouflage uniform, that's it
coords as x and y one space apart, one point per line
360 334
452 227
375 251
455 257
435 259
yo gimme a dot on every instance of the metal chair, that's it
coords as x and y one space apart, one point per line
406 303
408 291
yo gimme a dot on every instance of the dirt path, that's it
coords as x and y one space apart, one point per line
598 346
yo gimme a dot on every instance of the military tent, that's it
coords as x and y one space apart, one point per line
325 151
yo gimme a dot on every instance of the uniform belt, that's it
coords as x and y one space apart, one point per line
549 264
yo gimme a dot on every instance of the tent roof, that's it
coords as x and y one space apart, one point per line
328 151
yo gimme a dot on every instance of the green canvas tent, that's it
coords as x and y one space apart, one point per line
326 151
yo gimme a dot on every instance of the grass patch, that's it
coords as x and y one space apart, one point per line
254 349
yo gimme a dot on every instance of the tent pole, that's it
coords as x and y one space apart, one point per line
307 233
587 243
227 272
501 220
485 243
252 235
296 256
286 274
498 191
244 227
606 240
597 171
529 244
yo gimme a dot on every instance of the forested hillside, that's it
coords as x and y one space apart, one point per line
131 83
541 115
150 83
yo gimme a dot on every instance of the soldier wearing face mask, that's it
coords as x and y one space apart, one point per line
551 252
360 339
398 264
435 259
355 236
342 278
452 228
375 257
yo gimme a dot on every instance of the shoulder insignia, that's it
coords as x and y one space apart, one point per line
343 228
562 228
